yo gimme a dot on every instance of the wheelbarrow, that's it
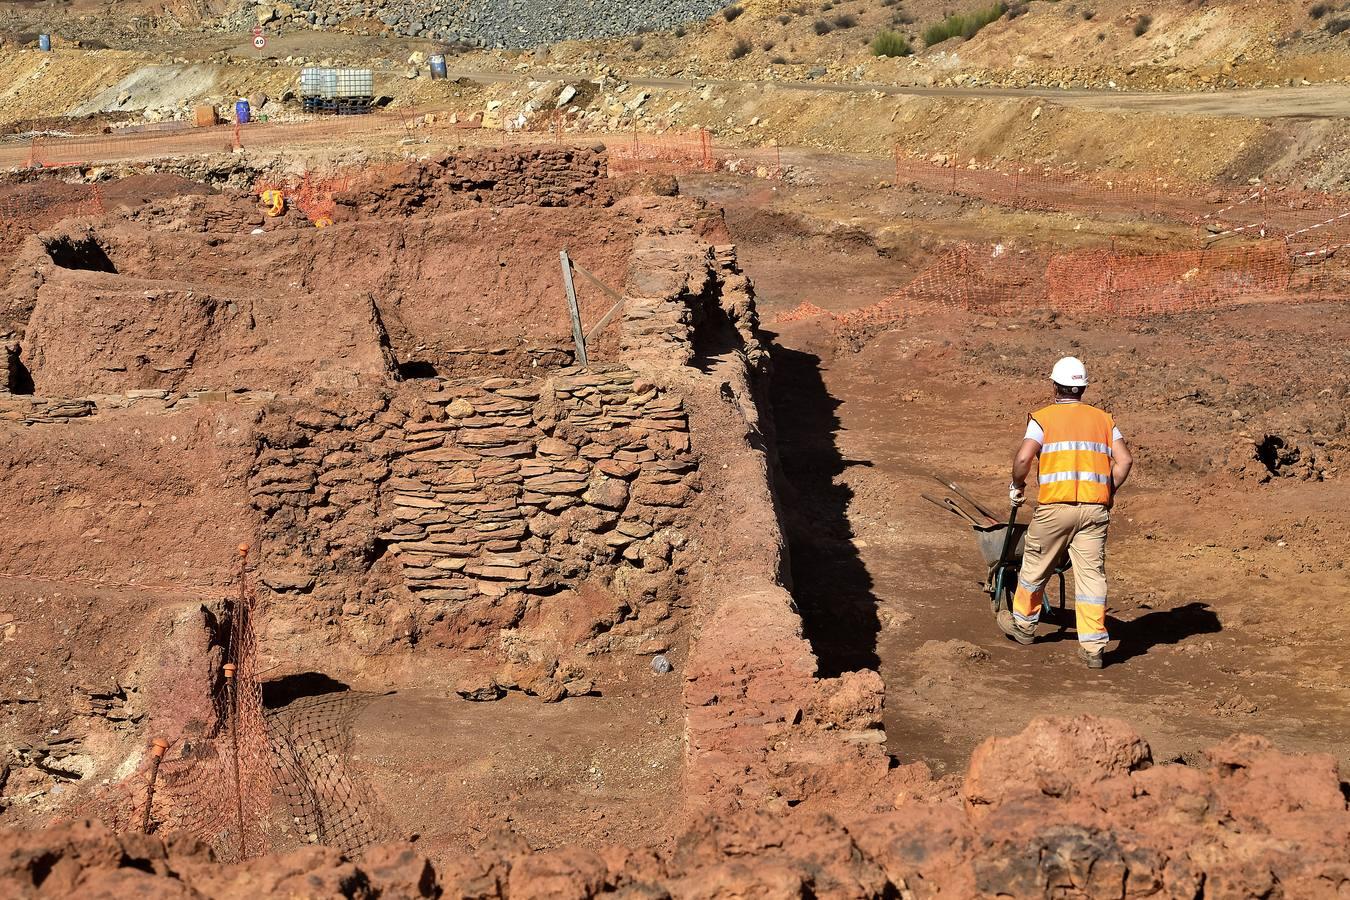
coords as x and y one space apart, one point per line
1001 545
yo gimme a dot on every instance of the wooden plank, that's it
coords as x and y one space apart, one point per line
578 337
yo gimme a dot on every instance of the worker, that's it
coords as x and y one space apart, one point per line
1082 460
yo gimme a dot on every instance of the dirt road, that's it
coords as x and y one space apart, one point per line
1322 101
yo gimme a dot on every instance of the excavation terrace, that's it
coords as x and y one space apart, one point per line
321 540
438 507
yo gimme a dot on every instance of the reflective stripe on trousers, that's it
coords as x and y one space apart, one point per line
1078 529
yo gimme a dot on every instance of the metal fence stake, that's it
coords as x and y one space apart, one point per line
157 748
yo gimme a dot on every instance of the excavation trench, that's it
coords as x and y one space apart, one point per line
884 580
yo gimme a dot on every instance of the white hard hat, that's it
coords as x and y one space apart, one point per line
1069 372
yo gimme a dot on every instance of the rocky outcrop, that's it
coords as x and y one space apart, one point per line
1252 822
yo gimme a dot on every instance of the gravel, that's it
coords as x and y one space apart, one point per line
512 23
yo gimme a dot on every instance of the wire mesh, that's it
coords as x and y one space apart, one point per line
240 777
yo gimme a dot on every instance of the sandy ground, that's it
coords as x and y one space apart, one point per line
1227 595
586 770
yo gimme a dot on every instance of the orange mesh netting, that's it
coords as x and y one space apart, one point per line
996 281
241 777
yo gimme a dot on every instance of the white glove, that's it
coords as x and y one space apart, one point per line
1016 495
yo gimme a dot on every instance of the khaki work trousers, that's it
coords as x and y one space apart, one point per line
1079 528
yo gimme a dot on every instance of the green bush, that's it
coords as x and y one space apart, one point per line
732 13
822 27
891 43
741 48
965 26
845 20
1142 25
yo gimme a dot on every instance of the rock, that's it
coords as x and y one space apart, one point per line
286 579
565 96
398 870
1054 757
480 689
607 493
661 665
460 408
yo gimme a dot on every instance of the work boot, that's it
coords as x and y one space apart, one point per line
1093 660
1008 625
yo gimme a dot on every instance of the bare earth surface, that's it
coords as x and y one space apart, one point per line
590 769
1228 595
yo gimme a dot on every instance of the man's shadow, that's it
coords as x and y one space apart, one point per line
1141 634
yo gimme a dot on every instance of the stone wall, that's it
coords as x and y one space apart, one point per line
455 503
536 176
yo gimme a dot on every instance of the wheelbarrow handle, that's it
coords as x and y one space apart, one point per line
1008 534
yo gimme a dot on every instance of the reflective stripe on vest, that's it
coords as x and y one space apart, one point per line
1075 461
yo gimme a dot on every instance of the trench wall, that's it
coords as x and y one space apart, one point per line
520 176
476 498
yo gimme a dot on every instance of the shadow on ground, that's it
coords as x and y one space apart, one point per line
831 585
1141 634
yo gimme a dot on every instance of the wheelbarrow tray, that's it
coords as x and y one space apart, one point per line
990 540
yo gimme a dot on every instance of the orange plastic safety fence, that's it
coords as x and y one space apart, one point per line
672 153
313 193
1101 282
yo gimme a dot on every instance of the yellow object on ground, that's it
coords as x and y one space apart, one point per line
274 203
322 222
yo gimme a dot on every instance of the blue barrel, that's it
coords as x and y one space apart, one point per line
437 66
241 113
45 43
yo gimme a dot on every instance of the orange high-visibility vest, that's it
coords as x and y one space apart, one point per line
1075 464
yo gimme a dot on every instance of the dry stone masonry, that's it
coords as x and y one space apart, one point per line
539 176
482 491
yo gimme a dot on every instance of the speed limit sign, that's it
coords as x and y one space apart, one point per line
260 42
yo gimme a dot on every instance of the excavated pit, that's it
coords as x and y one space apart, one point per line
484 545
466 554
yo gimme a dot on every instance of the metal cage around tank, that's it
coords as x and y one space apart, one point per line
337 91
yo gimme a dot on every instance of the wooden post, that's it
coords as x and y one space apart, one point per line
157 748
578 336
232 706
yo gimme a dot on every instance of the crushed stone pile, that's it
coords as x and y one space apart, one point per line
495 23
